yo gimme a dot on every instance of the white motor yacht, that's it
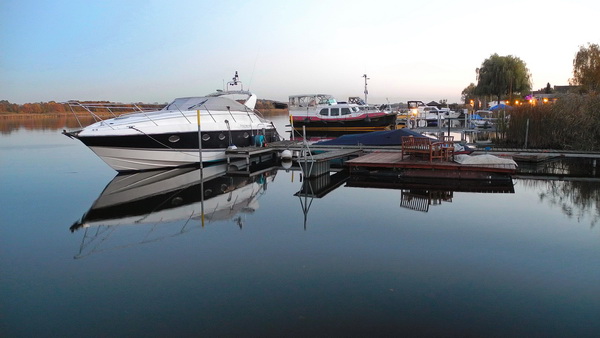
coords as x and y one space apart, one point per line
170 137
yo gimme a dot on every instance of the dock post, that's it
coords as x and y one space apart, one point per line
526 133
292 124
306 170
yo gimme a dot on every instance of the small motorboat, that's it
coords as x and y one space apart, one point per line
482 119
427 116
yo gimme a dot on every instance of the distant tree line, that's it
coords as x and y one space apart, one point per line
53 107
33 108
270 104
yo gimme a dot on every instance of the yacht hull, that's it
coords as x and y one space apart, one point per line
147 151
374 123
136 159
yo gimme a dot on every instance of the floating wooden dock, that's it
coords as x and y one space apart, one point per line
316 160
536 155
312 165
425 169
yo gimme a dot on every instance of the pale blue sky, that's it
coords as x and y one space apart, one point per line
154 51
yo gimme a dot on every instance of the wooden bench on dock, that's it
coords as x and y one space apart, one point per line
424 147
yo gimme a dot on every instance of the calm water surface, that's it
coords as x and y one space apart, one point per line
268 262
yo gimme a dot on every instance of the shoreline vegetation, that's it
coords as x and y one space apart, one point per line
570 123
58 108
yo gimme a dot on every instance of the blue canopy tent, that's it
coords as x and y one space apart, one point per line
375 138
500 106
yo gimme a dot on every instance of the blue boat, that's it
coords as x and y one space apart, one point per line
375 138
382 138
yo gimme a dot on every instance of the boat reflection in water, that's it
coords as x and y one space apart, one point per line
421 193
165 203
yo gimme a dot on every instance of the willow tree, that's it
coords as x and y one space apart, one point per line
586 68
468 93
503 75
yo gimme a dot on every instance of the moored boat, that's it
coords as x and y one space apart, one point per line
482 119
322 112
426 115
170 137
386 138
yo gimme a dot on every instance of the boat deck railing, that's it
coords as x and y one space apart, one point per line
98 110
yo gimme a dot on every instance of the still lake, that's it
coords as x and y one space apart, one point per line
267 262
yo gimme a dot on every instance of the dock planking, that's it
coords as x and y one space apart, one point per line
422 168
334 154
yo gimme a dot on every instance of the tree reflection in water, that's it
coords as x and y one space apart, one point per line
578 199
577 193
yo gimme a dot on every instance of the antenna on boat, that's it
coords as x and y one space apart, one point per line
235 81
366 90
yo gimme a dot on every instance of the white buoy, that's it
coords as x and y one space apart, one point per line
286 164
286 155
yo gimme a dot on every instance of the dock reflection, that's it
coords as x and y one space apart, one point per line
167 203
318 187
420 194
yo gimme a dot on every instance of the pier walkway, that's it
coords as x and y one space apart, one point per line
315 160
499 151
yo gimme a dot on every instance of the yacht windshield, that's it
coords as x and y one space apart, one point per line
208 103
311 100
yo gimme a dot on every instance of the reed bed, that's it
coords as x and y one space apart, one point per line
571 123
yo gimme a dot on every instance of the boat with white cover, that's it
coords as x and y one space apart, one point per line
482 119
169 137
427 115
